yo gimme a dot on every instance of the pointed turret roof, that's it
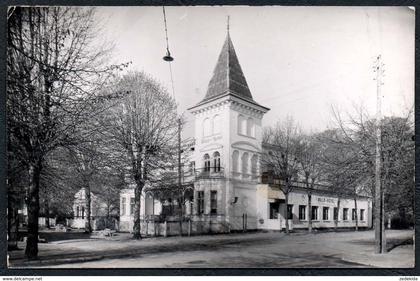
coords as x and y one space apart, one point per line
227 75
228 78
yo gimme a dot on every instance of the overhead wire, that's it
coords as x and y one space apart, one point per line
167 50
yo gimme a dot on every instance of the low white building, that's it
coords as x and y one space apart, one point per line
148 206
98 212
327 208
226 191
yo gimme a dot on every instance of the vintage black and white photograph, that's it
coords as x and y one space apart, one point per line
210 137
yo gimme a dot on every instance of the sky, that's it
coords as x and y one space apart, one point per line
298 61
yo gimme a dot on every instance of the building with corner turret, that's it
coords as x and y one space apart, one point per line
222 187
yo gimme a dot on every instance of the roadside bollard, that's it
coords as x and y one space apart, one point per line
189 227
165 228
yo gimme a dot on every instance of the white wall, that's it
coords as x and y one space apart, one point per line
127 220
298 197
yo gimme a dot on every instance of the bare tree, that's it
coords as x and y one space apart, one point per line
356 134
282 143
339 167
54 73
16 181
87 160
309 154
144 125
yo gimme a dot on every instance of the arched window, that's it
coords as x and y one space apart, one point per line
235 160
83 212
216 124
241 125
206 127
216 161
254 165
206 163
244 163
250 127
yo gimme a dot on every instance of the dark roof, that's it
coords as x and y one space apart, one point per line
228 76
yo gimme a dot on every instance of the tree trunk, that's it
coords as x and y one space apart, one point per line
357 218
139 179
108 211
47 211
373 212
31 251
180 203
309 212
338 215
12 224
287 212
88 227
136 226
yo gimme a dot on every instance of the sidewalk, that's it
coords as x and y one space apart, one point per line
361 249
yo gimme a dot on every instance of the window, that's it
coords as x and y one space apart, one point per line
353 214
314 213
335 213
216 160
77 212
131 205
362 214
206 163
250 127
245 163
123 206
302 212
235 160
274 210
83 212
345 214
254 164
213 202
325 213
241 125
289 212
200 202
216 124
206 127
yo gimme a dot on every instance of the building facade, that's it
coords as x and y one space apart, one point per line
99 214
227 191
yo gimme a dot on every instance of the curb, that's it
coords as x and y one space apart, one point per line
25 264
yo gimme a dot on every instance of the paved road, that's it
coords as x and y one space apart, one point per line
323 250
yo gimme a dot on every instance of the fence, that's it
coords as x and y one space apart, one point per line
191 225
97 223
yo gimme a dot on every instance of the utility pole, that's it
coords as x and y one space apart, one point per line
380 242
181 197
179 154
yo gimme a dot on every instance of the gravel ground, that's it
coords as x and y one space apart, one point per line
318 250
